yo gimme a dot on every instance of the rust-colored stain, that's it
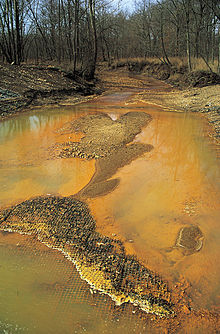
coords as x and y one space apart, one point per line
163 211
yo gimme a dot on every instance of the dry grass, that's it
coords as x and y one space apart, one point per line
126 61
198 64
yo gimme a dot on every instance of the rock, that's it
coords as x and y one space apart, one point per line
190 239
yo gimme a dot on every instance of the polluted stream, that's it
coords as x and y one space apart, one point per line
126 196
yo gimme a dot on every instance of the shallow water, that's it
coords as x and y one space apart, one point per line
174 185
26 167
41 292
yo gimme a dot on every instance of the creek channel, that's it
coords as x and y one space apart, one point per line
173 187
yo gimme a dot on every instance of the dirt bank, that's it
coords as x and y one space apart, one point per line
176 73
21 86
37 85
205 99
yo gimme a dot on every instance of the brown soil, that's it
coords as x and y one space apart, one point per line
205 100
190 99
175 74
123 80
23 85
107 167
36 85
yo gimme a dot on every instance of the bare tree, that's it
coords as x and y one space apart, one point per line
12 30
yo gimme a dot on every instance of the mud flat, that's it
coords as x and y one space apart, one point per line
106 141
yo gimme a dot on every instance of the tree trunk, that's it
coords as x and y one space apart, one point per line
93 59
59 32
188 49
68 29
188 46
219 50
18 47
11 33
48 50
165 57
76 35
177 41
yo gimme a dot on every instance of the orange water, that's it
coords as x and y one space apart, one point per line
174 185
177 183
27 169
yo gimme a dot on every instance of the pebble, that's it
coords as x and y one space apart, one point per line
4 94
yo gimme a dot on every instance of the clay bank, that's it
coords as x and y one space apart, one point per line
128 191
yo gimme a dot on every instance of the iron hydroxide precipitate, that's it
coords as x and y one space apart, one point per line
66 223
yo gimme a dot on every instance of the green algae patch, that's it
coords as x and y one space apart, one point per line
66 223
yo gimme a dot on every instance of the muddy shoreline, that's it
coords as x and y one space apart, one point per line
26 86
204 100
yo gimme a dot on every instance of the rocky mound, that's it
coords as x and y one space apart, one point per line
66 223
190 239
102 134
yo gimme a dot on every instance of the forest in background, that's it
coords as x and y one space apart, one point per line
79 33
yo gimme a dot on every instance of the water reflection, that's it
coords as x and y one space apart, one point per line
24 123
26 168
